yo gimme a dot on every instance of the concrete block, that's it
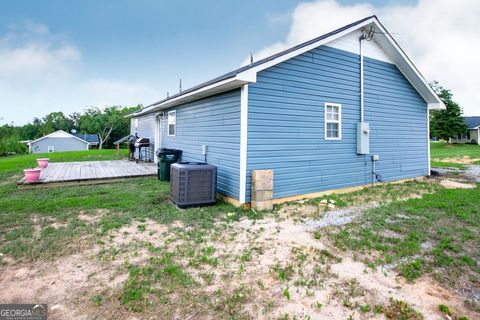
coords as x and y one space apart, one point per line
262 205
262 185
262 195
262 175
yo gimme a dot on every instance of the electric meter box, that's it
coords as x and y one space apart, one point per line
363 138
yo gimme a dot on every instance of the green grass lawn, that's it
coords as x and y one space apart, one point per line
439 150
138 198
442 150
437 234
441 164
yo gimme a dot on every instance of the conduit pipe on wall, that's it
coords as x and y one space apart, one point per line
362 37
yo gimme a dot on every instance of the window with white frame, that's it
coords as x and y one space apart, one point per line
172 122
51 149
333 121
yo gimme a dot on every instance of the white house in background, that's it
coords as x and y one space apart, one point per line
473 132
58 141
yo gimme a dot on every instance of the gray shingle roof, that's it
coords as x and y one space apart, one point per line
472 122
89 137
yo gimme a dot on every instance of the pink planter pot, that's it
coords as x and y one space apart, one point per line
43 163
32 175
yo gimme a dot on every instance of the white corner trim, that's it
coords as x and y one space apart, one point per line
243 142
428 141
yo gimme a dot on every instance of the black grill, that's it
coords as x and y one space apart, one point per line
144 150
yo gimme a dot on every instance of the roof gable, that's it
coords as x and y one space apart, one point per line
58 134
248 74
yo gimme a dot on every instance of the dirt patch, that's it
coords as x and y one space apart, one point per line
147 231
66 284
266 269
92 218
69 283
424 295
460 160
452 184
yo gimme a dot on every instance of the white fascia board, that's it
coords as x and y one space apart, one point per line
250 75
214 88
436 106
304 49
434 102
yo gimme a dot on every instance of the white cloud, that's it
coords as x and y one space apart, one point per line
36 58
103 92
32 51
440 36
42 72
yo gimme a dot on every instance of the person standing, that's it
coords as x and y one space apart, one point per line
131 146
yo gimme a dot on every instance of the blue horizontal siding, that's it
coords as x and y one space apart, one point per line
286 123
215 122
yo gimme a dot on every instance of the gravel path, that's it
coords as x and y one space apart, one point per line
473 171
338 217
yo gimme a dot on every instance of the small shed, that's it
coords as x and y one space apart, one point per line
58 141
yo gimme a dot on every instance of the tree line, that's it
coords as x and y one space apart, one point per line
109 123
447 123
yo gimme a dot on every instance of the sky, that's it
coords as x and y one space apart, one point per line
69 55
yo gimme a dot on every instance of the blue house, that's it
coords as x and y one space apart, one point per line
338 111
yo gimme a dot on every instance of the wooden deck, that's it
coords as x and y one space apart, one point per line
90 172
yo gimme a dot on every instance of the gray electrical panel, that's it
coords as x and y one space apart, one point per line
363 138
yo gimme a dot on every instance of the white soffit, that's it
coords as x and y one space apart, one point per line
350 43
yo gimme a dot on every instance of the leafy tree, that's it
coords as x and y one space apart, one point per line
10 140
447 123
110 123
30 131
75 119
56 121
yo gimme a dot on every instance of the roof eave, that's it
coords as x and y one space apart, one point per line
407 68
386 41
214 88
436 106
